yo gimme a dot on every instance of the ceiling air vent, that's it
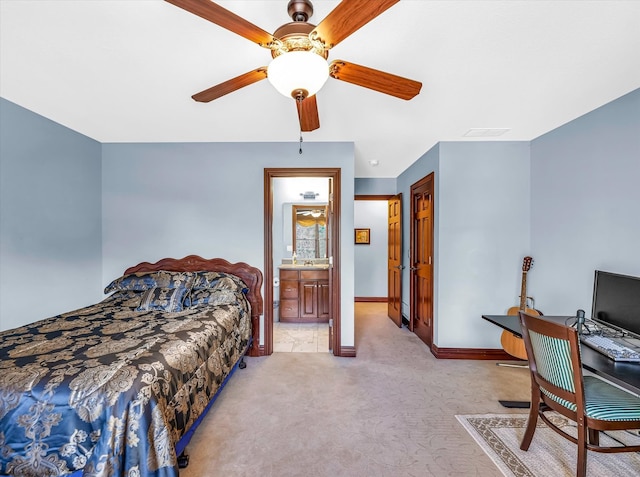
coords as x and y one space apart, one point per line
309 195
486 132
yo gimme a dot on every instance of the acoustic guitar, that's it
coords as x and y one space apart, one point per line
512 344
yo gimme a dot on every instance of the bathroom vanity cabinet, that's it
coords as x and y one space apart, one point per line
304 295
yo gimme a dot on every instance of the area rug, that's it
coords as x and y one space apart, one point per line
549 455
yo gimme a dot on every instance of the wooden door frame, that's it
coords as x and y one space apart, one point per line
372 197
335 174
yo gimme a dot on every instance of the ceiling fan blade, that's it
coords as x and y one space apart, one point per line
374 79
346 18
226 19
231 85
308 114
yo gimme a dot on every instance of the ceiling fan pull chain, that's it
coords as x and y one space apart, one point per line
299 100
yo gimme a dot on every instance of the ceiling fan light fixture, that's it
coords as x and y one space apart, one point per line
296 71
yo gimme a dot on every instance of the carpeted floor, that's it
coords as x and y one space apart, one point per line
391 411
550 455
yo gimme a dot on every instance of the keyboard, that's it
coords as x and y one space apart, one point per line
612 348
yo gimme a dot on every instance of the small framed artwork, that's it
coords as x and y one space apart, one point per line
362 236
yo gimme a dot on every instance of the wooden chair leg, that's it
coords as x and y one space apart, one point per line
581 468
594 437
531 422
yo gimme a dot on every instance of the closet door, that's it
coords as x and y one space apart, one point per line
421 321
394 260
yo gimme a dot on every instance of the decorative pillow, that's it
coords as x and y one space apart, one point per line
163 299
218 281
208 279
147 281
207 296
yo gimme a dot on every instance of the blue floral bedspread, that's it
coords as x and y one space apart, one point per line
109 389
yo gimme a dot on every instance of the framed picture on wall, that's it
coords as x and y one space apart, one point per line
362 236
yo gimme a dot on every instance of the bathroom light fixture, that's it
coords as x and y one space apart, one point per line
309 194
298 74
374 162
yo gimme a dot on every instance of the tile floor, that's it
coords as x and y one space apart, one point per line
300 337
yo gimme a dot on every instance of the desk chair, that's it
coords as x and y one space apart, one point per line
557 384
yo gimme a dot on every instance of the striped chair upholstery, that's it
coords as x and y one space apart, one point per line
602 401
557 384
553 357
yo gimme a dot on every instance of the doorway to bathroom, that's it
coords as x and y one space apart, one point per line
306 289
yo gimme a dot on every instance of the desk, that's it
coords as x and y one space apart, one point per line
625 375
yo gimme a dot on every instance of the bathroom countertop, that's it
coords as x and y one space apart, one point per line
300 266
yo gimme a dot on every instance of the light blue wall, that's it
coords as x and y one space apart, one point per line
585 200
171 199
50 228
481 218
483 234
375 186
75 213
569 198
371 260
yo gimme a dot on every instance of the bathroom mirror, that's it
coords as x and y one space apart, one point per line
309 226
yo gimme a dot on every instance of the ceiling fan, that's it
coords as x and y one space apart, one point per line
300 49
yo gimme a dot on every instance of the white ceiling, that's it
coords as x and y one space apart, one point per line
124 71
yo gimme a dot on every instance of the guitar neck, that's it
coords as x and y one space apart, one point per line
523 292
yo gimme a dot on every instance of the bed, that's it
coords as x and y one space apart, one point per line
118 388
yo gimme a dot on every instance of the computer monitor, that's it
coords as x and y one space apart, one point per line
616 301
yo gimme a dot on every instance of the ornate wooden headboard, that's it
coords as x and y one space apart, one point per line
193 263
